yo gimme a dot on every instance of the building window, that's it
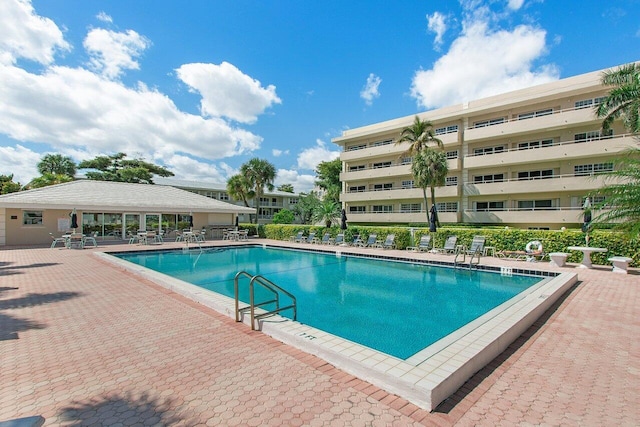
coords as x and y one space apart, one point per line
592 169
490 122
533 114
293 201
452 155
407 184
489 150
379 143
535 204
406 160
382 208
224 196
357 209
451 181
357 189
356 147
484 179
31 217
585 103
380 165
446 129
382 187
410 207
535 144
589 136
356 168
542 174
489 206
447 207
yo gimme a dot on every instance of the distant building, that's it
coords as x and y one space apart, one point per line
269 204
525 158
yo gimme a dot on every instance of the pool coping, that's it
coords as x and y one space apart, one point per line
425 384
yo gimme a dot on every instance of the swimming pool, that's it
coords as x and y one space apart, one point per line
398 308
426 378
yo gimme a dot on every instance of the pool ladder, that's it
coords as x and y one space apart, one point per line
269 286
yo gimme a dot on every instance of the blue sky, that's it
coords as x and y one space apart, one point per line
203 86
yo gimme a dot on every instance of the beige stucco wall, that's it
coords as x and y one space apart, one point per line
18 234
3 227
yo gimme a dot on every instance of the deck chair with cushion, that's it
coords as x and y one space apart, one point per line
423 245
356 241
296 238
389 242
325 239
309 238
449 246
371 241
339 240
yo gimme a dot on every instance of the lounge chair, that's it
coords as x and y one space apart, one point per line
389 242
309 238
449 246
325 239
339 240
423 245
296 238
356 241
475 251
371 241
515 255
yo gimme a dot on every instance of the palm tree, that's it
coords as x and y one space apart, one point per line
260 174
622 196
328 212
239 189
49 179
57 164
623 100
420 136
429 170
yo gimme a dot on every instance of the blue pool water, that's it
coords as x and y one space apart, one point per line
398 308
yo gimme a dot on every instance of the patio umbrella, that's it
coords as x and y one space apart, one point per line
74 220
343 222
587 215
236 220
433 219
191 221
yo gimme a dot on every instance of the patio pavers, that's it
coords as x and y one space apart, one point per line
83 342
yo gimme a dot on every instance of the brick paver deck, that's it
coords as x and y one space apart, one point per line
84 343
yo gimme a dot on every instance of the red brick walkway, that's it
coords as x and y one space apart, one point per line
98 346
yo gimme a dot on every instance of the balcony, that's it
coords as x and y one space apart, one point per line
560 119
448 139
397 194
399 218
564 150
553 184
568 216
395 170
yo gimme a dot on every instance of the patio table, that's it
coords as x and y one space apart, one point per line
586 257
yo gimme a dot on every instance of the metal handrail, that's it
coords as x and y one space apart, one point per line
268 285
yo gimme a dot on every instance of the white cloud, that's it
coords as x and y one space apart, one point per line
102 16
19 161
23 34
193 170
277 153
112 52
311 157
228 92
464 73
370 90
437 24
515 4
302 183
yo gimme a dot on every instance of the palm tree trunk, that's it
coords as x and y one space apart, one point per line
433 202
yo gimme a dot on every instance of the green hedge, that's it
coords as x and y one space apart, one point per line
509 239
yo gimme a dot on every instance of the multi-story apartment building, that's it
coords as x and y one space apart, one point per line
268 205
525 158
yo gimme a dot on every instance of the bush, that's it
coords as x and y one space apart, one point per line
510 239
284 216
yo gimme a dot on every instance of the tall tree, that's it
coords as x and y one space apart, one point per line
56 164
621 202
623 100
7 185
49 179
239 188
306 206
260 174
420 135
429 168
287 188
328 178
117 168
